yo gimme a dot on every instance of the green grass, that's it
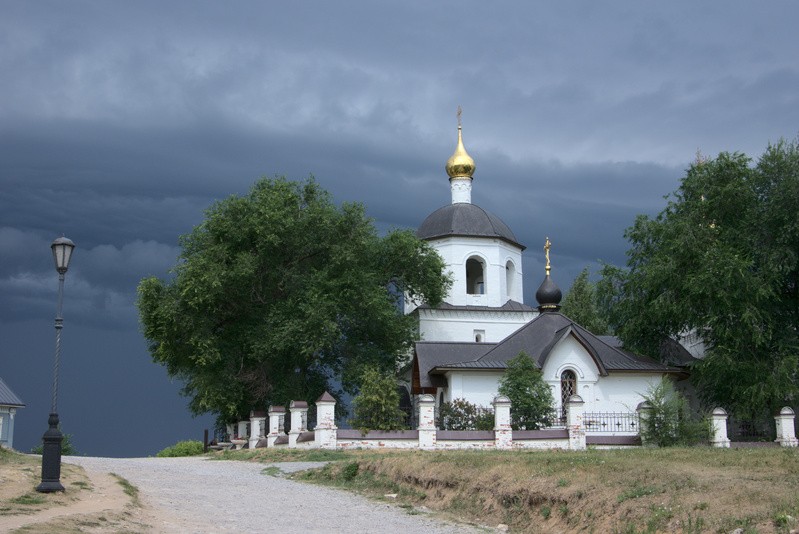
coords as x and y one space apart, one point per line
29 499
129 489
625 491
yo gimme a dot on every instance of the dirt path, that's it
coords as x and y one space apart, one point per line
196 495
107 497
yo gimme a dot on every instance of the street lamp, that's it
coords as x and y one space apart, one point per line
51 449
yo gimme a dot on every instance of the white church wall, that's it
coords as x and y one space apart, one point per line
570 354
477 387
622 392
461 325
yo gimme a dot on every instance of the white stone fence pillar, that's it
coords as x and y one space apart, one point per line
241 431
503 433
325 430
257 424
574 421
786 431
719 420
427 422
276 416
299 420
644 410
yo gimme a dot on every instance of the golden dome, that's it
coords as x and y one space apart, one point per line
460 164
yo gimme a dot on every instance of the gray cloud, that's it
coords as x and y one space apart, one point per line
121 122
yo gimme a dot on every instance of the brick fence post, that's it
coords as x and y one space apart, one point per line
719 438
325 430
299 418
276 416
574 421
427 422
786 433
503 434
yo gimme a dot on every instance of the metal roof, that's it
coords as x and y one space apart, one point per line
8 397
537 339
465 220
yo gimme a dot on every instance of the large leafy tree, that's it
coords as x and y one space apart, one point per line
580 305
280 290
721 260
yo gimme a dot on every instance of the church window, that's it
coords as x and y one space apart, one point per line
479 335
568 387
475 281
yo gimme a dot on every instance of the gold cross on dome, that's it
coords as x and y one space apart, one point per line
460 112
547 246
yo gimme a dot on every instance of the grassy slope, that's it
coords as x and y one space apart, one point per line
631 491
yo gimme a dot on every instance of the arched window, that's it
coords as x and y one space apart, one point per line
475 281
510 278
568 387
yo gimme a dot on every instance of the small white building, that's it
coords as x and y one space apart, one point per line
9 404
467 341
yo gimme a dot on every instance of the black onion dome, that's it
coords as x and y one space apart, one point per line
465 220
548 295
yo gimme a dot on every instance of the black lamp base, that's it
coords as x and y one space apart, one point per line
51 458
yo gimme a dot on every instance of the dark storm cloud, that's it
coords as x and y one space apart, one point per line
120 123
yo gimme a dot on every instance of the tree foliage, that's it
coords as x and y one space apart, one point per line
376 406
531 401
279 290
668 420
722 259
580 305
461 414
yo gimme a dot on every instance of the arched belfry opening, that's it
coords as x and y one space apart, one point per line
510 279
475 276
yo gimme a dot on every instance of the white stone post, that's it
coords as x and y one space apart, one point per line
719 438
574 420
786 431
325 430
276 415
242 429
503 434
257 423
644 410
427 422
299 417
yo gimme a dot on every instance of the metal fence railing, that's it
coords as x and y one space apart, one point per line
611 422
748 430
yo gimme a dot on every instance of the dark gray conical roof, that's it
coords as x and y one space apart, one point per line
465 220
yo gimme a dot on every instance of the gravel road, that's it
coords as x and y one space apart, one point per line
197 495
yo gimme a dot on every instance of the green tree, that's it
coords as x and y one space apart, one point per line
580 305
668 421
530 397
376 406
67 448
722 259
280 290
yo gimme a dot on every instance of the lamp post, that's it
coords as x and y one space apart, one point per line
51 449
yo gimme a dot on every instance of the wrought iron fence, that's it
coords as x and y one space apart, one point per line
555 419
611 422
748 430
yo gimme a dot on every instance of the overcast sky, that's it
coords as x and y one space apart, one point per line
120 122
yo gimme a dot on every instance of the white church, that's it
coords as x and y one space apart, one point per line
468 339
